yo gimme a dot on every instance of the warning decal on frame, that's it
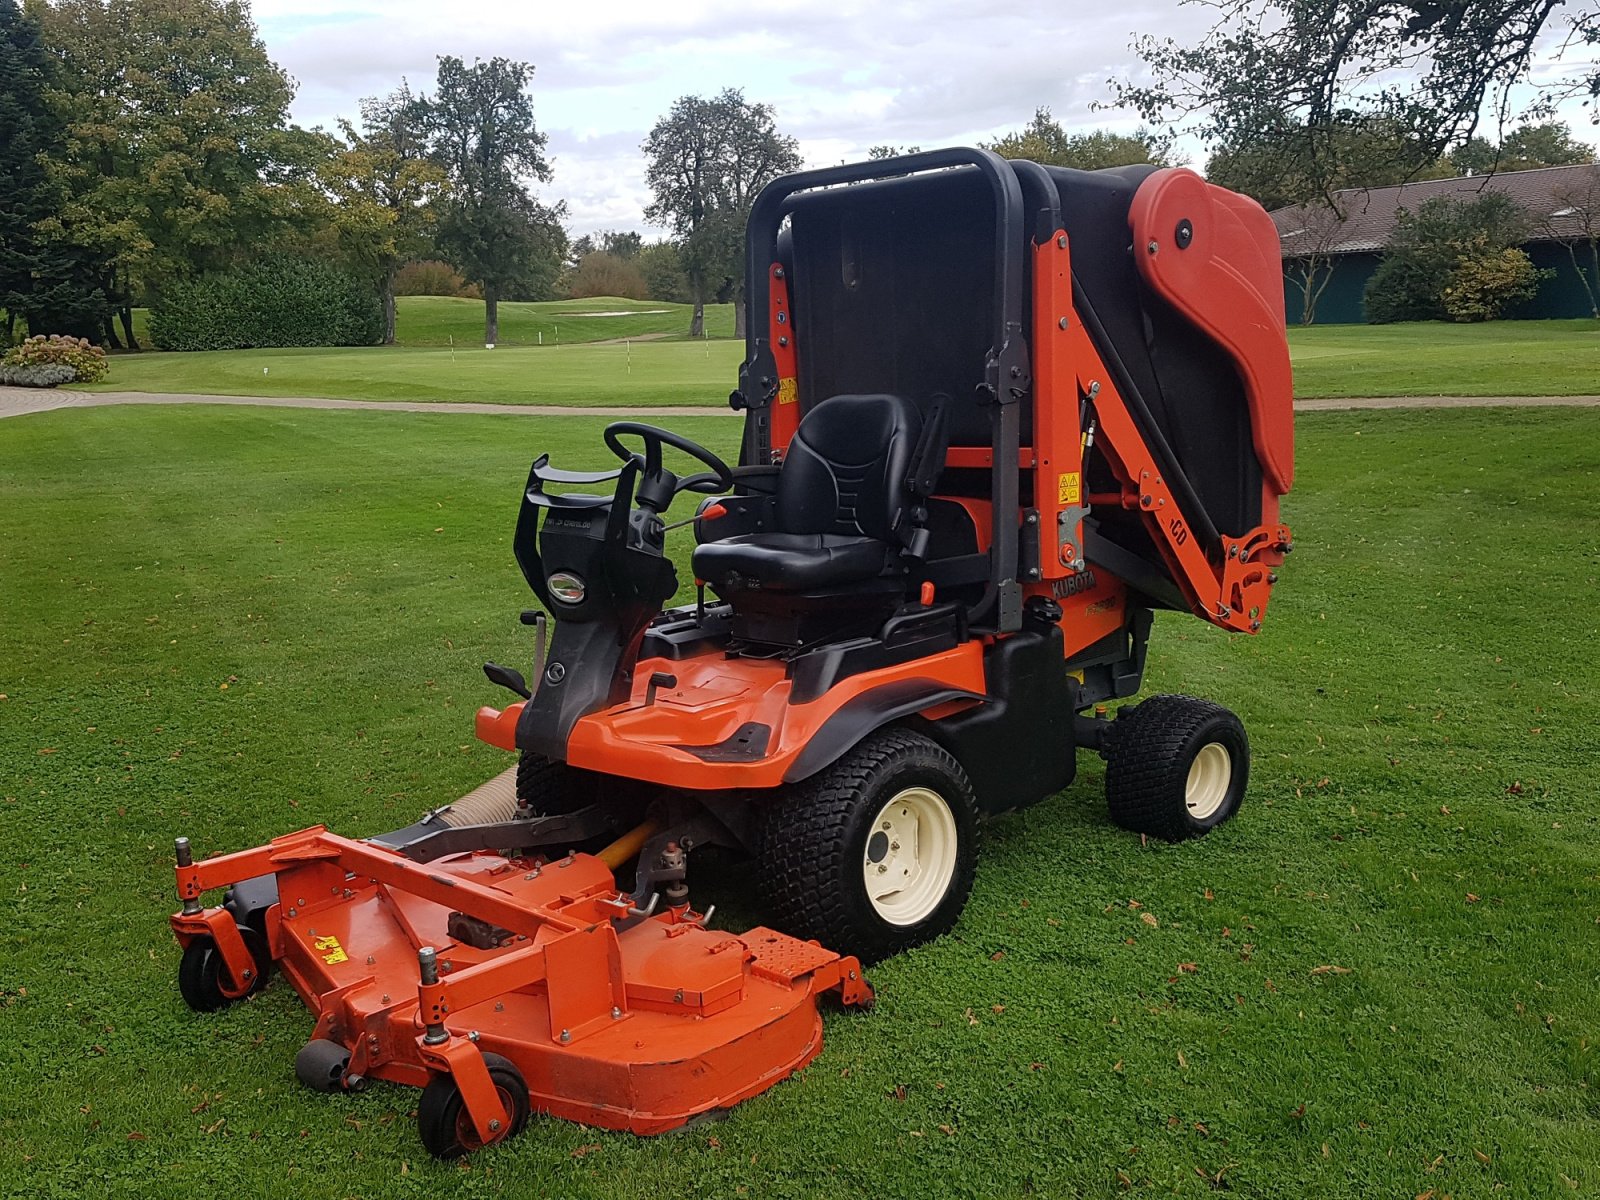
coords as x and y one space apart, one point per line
788 391
1069 490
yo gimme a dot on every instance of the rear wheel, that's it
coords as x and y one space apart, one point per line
446 1126
552 788
1176 767
876 853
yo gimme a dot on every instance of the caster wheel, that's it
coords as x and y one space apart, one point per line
442 1119
201 972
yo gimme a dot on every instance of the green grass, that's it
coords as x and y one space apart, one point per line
1511 358
445 321
1421 813
1502 358
645 373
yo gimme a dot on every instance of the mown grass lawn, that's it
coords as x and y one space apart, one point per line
1509 358
446 321
1380 980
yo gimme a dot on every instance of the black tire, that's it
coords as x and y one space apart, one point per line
442 1120
553 788
816 846
1150 750
201 969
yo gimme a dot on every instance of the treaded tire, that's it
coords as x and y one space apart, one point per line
814 839
552 788
1150 749
447 1131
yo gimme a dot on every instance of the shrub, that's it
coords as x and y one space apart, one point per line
43 375
433 278
1484 285
274 302
85 360
1429 247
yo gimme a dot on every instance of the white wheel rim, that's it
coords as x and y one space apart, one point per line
910 856
1210 775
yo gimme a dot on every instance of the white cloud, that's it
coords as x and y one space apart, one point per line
843 74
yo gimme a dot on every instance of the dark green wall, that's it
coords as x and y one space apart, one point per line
1561 296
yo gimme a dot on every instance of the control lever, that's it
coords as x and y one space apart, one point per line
508 678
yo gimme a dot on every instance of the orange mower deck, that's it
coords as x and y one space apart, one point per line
613 1017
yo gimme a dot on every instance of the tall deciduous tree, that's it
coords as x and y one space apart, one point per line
174 115
386 190
1297 76
1278 172
1526 148
707 159
1043 140
482 131
27 197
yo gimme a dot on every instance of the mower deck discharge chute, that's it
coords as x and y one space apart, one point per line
996 415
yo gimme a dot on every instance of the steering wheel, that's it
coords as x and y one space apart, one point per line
657 485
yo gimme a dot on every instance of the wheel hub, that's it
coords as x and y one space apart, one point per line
910 856
1210 776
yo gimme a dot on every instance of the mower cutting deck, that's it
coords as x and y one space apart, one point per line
505 984
995 416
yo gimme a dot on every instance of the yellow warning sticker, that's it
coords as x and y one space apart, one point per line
788 391
334 953
1069 490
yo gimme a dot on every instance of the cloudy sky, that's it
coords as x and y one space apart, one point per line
843 74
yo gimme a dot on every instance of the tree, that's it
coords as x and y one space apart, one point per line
1548 144
707 159
1297 76
603 274
1311 268
1043 140
664 277
1451 245
886 151
481 130
1575 223
387 191
1277 174
30 263
174 119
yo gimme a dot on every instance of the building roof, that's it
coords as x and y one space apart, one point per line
1561 203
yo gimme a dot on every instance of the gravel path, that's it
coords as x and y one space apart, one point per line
16 402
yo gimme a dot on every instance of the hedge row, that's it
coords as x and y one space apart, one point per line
275 302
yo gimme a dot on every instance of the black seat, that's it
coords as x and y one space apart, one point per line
842 499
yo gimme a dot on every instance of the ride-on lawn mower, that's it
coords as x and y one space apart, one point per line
995 415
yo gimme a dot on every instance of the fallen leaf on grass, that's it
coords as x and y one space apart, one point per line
1150 920
1427 1195
714 1143
1472 897
1123 1181
1188 968
1330 969
997 956
1209 895
971 1020
1480 1156
1182 1061
1445 809
1515 789
585 1151
136 1136
997 1009
1117 1066
947 1130
1300 1112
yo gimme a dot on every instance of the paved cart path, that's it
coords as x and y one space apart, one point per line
16 402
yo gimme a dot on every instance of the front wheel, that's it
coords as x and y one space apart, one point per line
446 1126
1176 767
876 853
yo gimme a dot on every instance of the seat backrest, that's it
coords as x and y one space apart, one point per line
846 468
